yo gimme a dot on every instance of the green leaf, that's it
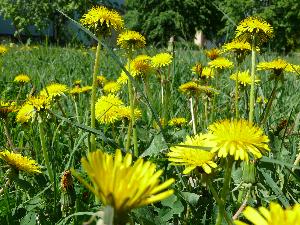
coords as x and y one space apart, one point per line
157 145
29 219
191 198
274 161
275 188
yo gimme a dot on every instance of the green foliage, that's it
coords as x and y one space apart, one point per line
159 20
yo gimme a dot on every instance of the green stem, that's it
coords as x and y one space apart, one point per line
76 109
93 97
193 116
132 116
44 149
269 104
253 51
7 134
225 190
237 97
217 199
128 140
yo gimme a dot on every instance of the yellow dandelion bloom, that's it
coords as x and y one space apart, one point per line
111 87
124 112
161 60
86 89
107 109
123 185
213 53
277 66
238 138
275 215
102 20
54 90
101 80
39 103
193 156
6 108
139 66
22 79
237 46
25 113
3 49
197 69
131 40
220 63
78 90
177 122
207 72
19 162
77 82
243 77
190 88
254 26
293 68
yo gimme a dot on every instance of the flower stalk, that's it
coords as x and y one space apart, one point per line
94 91
44 148
253 54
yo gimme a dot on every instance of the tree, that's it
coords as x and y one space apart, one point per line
158 20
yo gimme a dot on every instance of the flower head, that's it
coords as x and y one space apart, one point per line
131 40
6 108
54 90
25 113
79 90
102 20
278 66
22 79
112 87
161 60
101 80
192 154
107 109
124 112
220 63
207 72
275 215
19 162
193 88
177 122
213 53
243 77
237 46
39 103
3 49
123 185
254 26
238 138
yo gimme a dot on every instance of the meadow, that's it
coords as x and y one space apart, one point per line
57 135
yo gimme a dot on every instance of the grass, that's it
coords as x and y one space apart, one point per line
34 200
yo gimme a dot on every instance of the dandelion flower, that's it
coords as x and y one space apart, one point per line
102 20
194 156
190 88
275 215
213 53
254 26
25 113
19 162
131 40
54 90
277 66
111 87
123 185
22 79
197 69
177 122
238 138
106 109
101 80
39 103
237 46
3 49
78 90
124 112
220 63
243 77
139 66
207 72
6 108
161 60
